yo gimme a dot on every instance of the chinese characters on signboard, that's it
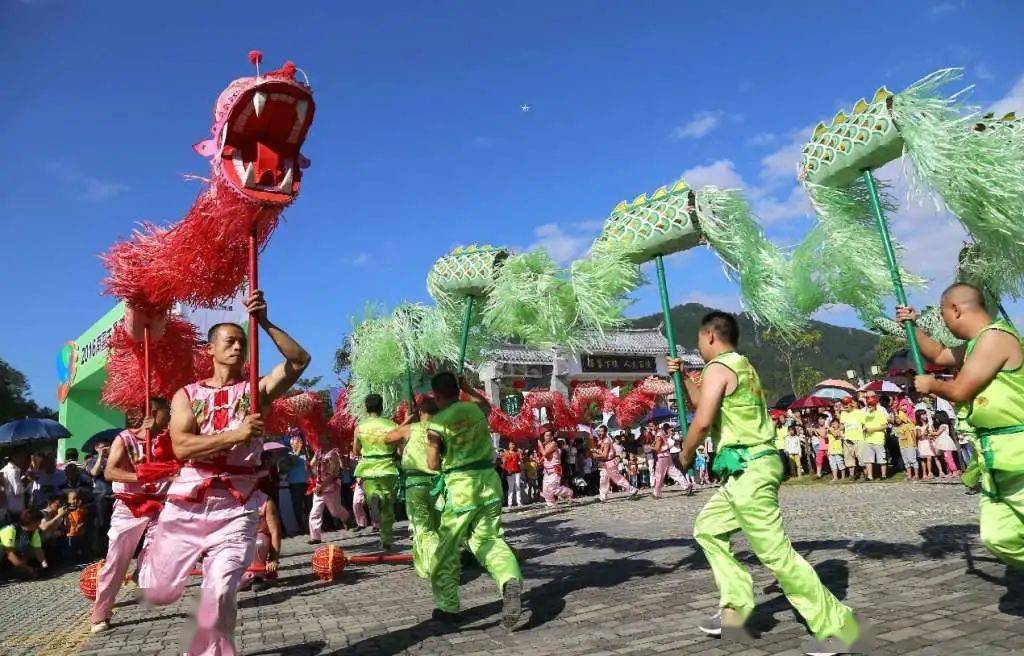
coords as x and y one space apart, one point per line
592 363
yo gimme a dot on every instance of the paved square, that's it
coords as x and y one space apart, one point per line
624 577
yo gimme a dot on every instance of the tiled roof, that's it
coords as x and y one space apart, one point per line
642 341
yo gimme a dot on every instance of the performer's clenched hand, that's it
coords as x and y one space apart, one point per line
257 306
905 313
675 365
252 426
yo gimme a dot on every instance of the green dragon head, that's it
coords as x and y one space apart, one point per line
647 227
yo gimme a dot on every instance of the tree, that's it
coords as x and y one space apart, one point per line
792 351
806 378
342 361
306 384
14 393
887 347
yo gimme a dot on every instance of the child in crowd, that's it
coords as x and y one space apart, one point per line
634 472
906 435
530 480
359 505
643 473
75 528
925 448
793 451
701 464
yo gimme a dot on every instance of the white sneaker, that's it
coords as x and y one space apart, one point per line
100 627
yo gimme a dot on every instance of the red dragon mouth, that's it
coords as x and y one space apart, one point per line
260 140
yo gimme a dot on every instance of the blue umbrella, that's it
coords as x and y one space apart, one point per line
102 436
21 431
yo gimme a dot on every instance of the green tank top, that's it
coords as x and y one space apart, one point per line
743 419
465 437
378 457
414 455
997 411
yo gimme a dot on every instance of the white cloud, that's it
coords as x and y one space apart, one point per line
85 186
941 8
699 126
562 246
771 210
721 173
763 139
781 164
1012 101
983 72
359 259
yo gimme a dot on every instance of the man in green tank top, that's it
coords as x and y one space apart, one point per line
420 500
731 405
377 466
459 445
990 382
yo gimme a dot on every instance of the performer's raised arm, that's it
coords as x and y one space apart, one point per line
296 359
931 349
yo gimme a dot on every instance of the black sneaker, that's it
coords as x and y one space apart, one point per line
312 541
712 626
511 603
444 616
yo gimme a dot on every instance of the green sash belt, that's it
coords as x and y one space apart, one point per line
439 483
378 456
987 459
415 478
732 460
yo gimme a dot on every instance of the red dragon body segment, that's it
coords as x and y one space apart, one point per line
259 126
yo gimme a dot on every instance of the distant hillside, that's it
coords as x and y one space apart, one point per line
840 349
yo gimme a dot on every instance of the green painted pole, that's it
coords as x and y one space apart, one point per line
466 320
894 270
666 309
408 387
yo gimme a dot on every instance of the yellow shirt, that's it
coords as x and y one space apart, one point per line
780 438
875 419
853 424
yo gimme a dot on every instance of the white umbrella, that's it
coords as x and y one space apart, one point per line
831 393
882 386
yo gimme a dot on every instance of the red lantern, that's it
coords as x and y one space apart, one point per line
518 384
89 581
328 562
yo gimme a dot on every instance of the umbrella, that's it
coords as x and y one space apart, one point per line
831 393
784 402
882 387
836 383
26 430
810 402
273 446
102 436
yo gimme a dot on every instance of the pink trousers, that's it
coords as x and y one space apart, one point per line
359 507
553 490
223 533
332 502
610 474
125 532
664 466
951 467
259 560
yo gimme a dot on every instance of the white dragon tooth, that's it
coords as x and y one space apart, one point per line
250 176
300 111
259 100
224 136
286 182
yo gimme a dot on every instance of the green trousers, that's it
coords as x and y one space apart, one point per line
480 528
749 502
1002 517
383 489
424 521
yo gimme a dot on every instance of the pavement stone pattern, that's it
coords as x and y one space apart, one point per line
622 577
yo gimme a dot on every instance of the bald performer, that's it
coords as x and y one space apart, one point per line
990 387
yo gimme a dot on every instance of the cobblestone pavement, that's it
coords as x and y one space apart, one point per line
624 577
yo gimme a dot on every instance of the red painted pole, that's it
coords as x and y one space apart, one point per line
254 329
146 386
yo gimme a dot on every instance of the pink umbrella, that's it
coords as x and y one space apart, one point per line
836 383
881 387
273 446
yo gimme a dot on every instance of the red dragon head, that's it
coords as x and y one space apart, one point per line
259 125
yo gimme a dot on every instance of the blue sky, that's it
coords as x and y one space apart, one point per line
420 144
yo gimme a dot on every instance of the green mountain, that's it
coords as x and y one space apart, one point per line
784 366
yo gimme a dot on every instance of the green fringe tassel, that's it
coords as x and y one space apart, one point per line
600 288
749 259
848 249
978 173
